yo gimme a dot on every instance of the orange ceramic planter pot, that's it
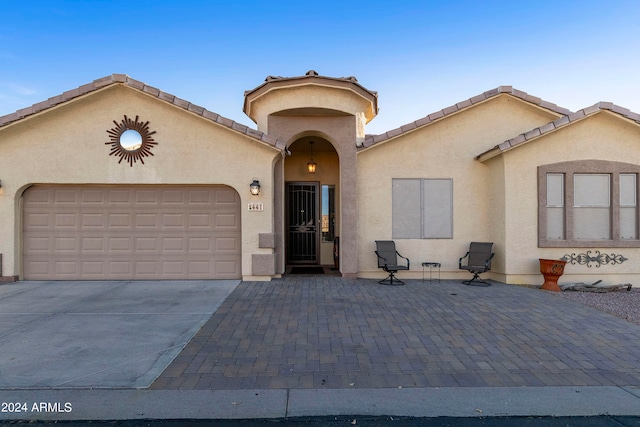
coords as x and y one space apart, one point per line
551 269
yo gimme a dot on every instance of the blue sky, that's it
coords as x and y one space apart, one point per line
420 56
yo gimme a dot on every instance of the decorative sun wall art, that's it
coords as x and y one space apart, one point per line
131 140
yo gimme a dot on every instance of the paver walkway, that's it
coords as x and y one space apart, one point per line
330 332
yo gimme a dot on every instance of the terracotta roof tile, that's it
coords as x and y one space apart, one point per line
532 134
436 115
372 140
576 116
210 115
505 145
423 121
450 110
166 97
478 98
464 104
196 109
408 127
224 121
136 84
180 102
151 90
25 111
620 110
105 81
547 128
237 126
394 132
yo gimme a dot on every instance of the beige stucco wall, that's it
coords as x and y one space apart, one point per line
602 136
445 149
66 145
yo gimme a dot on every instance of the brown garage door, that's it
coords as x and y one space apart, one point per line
131 232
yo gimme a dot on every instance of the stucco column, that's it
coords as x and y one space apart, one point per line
348 213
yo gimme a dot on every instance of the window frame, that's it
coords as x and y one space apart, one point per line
422 202
568 170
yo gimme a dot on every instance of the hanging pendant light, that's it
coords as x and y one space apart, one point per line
311 165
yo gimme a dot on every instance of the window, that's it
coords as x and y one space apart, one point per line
328 213
422 208
588 203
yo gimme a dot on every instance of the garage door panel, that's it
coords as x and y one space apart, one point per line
228 245
175 221
67 244
93 197
113 232
226 221
199 197
93 220
65 220
93 268
33 220
148 220
123 221
35 244
67 268
119 196
146 197
65 197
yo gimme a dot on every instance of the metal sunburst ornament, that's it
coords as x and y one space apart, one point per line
131 140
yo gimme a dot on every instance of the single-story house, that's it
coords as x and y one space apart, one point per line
119 180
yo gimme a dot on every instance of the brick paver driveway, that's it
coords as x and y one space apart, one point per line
330 332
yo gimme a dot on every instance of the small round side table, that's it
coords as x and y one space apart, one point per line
431 266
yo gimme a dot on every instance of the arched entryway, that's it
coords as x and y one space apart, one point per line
311 202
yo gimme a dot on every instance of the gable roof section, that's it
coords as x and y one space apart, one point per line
446 112
124 79
562 122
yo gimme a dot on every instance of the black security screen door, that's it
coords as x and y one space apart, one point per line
302 222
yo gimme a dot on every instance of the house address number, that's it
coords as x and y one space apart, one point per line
256 207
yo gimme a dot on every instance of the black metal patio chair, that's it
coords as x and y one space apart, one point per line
388 261
478 261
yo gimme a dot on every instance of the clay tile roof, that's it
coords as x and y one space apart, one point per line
445 112
561 122
149 90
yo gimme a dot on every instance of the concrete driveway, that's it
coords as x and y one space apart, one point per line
98 334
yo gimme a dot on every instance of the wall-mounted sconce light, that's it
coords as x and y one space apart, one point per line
311 166
254 187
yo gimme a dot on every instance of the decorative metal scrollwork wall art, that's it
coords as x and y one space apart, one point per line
598 259
131 140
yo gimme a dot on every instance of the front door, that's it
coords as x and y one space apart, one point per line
302 223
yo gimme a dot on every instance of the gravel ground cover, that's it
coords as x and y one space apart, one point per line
622 303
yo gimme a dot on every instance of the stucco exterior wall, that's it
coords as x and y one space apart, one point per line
445 149
602 136
66 145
